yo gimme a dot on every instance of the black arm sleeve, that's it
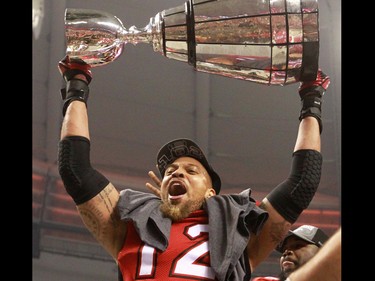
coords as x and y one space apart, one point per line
294 195
81 181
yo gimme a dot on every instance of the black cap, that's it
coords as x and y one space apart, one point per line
309 233
185 147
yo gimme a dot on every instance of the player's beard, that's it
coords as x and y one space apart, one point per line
282 276
180 211
285 274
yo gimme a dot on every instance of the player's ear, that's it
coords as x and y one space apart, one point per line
210 192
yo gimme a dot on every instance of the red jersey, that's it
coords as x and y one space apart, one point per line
186 257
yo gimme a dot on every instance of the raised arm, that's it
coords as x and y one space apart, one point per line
287 201
96 198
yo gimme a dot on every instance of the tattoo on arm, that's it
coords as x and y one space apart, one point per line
100 216
277 229
91 218
110 207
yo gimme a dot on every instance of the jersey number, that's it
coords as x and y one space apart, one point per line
185 264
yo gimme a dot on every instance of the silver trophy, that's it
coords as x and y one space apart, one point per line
273 42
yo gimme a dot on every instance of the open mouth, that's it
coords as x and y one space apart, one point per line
176 190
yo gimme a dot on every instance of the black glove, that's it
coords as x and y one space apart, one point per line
311 93
76 89
70 67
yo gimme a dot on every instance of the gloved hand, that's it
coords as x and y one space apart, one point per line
70 67
76 89
311 93
316 87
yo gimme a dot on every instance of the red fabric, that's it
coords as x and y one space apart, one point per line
322 80
186 256
66 65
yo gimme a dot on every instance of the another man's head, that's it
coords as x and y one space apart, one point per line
187 178
298 247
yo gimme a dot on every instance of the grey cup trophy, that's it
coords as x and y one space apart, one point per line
273 42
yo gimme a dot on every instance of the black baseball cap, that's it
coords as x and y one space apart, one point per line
309 233
177 148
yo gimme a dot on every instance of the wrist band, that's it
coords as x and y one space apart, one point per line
76 89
